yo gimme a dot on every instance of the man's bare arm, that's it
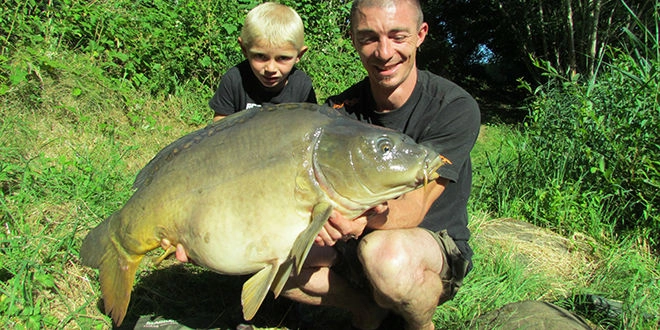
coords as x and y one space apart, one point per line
407 211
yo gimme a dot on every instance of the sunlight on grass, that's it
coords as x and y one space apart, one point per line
72 141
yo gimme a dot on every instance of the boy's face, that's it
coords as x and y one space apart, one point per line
387 38
271 64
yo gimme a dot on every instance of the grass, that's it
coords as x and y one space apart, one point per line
71 142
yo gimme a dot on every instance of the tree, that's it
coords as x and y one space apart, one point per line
572 35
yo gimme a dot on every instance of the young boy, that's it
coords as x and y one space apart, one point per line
272 41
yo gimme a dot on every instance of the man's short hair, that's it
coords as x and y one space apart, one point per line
357 4
275 24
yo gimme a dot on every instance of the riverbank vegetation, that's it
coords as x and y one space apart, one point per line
91 90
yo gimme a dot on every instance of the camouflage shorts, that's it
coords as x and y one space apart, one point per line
454 268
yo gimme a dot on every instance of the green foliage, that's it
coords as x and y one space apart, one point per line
604 136
81 86
588 154
161 45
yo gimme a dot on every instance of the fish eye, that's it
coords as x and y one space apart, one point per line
384 145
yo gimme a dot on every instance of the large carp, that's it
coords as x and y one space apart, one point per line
248 194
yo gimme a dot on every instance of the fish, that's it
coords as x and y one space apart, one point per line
248 195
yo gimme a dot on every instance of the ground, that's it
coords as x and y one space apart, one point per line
196 298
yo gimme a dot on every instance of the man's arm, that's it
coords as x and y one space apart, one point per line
407 211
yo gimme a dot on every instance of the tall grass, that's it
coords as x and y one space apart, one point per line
71 142
587 157
586 161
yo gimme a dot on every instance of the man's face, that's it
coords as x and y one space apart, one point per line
271 64
387 40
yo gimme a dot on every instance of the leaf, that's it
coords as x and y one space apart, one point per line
18 76
229 28
46 280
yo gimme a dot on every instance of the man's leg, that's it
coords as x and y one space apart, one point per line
317 284
404 267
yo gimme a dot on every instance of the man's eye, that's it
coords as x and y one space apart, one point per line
366 40
400 38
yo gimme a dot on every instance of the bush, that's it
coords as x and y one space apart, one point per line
588 153
160 45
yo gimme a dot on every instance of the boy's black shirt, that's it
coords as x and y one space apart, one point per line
239 89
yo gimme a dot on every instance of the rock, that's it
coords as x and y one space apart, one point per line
541 250
530 315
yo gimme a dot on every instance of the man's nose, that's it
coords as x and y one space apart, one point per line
384 50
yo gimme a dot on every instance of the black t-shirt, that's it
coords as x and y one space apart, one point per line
443 116
239 89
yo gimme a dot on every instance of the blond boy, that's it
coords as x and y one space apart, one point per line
272 41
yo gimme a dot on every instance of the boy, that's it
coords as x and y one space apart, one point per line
272 41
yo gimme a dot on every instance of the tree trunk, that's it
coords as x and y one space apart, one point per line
570 26
594 16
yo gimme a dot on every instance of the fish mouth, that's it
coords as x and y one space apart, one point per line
429 172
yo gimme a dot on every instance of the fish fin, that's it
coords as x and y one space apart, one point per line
96 244
282 276
116 276
116 266
170 250
255 290
303 243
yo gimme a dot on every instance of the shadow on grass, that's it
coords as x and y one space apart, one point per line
200 299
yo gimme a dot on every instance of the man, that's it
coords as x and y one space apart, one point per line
412 251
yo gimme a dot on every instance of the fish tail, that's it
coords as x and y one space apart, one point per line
116 266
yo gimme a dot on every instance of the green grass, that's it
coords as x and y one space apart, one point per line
72 141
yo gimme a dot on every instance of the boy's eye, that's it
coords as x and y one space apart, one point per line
260 57
284 58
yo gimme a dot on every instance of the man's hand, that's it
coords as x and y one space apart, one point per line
339 227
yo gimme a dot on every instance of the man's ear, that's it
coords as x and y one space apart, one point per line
421 33
350 35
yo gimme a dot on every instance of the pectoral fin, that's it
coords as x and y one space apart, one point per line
282 276
303 243
255 290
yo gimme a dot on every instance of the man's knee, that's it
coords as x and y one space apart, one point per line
388 264
381 250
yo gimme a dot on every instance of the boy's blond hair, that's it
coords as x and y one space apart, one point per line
275 24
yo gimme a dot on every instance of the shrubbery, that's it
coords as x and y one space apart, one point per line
588 156
160 45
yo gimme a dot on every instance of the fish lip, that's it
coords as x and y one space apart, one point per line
429 172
